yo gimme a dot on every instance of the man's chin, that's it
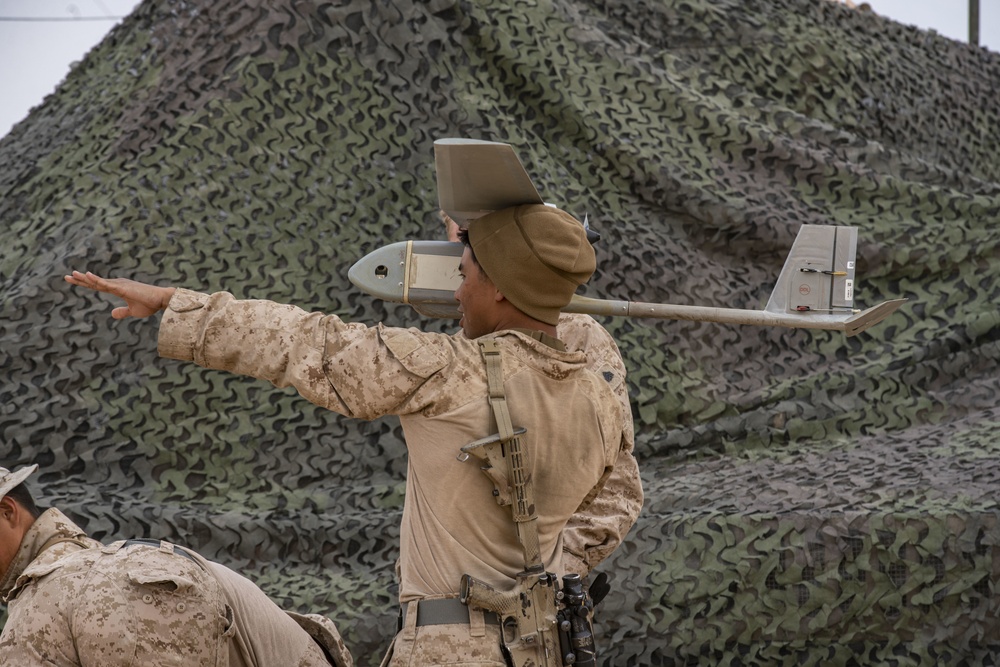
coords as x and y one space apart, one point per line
471 335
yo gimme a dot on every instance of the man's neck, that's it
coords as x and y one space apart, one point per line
518 320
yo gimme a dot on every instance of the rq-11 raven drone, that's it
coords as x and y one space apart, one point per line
815 289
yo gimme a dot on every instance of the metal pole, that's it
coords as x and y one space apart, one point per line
974 22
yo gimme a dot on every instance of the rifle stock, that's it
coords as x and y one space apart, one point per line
527 613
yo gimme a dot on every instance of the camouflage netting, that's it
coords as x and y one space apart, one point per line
812 499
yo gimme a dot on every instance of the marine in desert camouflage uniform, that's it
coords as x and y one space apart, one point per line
74 602
591 535
522 265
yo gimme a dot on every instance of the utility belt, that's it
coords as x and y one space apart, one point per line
445 611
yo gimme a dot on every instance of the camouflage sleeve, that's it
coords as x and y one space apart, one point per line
328 361
592 534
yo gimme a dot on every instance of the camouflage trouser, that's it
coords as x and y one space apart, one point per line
474 644
117 607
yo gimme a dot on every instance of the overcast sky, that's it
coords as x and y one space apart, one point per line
36 55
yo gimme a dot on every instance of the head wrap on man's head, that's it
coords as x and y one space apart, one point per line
536 255
9 480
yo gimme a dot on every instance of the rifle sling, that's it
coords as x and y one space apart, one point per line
523 502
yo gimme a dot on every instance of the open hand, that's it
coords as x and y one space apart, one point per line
141 299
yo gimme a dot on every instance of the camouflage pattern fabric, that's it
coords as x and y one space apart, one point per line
120 607
811 499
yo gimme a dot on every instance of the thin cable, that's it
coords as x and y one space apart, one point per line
51 19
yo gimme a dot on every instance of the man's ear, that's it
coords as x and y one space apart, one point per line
8 510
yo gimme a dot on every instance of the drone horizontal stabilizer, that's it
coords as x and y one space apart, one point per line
476 177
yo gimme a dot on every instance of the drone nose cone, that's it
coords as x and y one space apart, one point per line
381 272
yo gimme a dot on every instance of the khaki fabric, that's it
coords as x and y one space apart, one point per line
116 607
436 384
74 602
523 247
261 633
325 633
593 534
52 536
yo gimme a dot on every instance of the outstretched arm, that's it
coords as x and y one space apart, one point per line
141 299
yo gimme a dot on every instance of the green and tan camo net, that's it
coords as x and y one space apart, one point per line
812 499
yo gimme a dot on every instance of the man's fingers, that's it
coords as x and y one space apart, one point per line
82 279
75 278
92 281
97 283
